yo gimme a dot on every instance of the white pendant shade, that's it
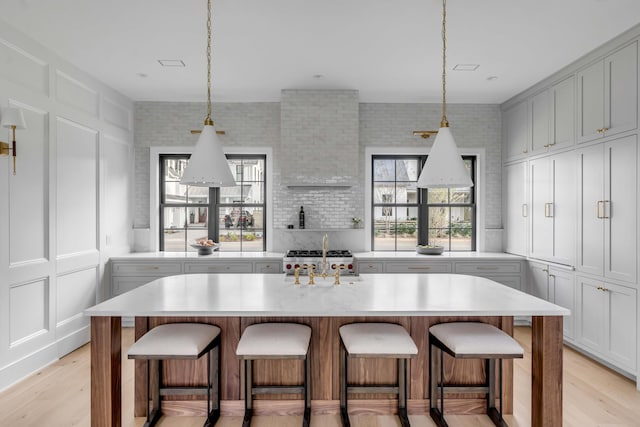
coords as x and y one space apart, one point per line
13 117
444 167
208 166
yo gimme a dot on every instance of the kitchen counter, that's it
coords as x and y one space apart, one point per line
193 256
446 256
234 301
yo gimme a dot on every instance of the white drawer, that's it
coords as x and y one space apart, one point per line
120 285
145 268
218 267
370 267
488 267
268 267
418 267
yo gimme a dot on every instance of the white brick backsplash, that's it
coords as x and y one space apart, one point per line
259 124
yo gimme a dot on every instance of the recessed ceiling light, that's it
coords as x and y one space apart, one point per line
143 75
171 62
492 78
466 67
318 76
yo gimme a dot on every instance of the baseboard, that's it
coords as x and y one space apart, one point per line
20 369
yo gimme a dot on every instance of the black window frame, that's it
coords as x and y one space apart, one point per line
214 205
422 203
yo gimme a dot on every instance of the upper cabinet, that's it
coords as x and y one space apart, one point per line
542 123
516 131
607 95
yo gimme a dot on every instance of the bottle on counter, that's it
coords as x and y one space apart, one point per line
301 217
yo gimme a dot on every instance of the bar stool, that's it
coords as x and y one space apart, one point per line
375 340
187 341
469 340
275 341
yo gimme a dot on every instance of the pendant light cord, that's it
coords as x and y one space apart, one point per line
208 120
444 122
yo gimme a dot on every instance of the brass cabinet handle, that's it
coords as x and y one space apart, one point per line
525 151
525 210
489 268
599 209
149 267
603 289
419 268
548 210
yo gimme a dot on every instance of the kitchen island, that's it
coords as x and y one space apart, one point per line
234 301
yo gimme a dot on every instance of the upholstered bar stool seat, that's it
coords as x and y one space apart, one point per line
275 341
188 341
375 340
469 340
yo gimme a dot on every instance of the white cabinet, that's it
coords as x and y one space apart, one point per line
268 267
608 95
562 98
562 292
417 267
552 208
516 208
555 285
539 112
607 321
516 131
369 267
607 209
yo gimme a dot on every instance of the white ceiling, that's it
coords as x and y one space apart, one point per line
389 50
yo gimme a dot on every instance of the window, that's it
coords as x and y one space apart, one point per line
404 215
233 216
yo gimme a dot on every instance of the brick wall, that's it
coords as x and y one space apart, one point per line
259 124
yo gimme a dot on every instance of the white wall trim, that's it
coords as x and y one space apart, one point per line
154 190
480 185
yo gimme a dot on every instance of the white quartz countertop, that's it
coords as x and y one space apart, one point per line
359 256
446 256
364 295
151 256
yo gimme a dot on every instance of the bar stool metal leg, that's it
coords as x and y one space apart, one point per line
213 396
248 392
402 393
344 414
306 418
436 390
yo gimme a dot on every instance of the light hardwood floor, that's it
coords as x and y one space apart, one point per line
58 395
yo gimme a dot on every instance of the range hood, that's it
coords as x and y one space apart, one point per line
319 141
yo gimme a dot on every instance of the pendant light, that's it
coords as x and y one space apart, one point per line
208 166
444 167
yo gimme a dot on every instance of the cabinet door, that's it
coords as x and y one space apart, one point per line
621 90
538 279
621 325
563 113
592 313
590 239
516 132
516 208
563 209
541 236
620 222
591 102
562 293
540 118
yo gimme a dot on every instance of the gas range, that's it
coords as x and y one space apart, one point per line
304 259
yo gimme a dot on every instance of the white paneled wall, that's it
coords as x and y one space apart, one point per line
66 210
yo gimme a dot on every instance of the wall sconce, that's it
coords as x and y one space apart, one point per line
14 119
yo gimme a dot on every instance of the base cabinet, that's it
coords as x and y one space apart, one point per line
607 321
556 285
